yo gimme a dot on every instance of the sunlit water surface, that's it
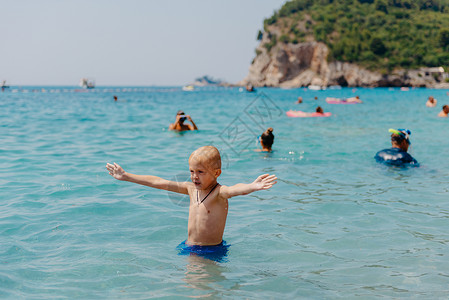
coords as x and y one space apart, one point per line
337 224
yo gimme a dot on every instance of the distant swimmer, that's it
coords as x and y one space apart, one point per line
397 155
351 100
301 114
299 101
115 98
250 88
208 208
355 99
444 112
431 102
179 123
266 140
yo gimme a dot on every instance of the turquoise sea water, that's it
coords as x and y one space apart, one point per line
337 225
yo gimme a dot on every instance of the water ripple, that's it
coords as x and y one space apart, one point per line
337 224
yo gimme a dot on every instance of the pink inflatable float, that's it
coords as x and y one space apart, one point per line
352 100
302 114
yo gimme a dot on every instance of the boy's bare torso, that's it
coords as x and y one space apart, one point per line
207 220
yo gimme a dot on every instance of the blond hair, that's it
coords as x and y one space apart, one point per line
208 155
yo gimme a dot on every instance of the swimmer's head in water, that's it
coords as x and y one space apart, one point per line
398 135
267 137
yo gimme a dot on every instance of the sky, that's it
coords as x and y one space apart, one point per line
129 43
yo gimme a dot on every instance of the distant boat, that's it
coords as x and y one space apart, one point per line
86 83
314 87
207 80
188 88
4 85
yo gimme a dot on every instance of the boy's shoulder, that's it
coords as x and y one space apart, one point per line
224 191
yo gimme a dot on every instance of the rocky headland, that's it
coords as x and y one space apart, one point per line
354 43
304 64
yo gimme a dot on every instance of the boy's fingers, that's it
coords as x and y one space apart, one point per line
269 185
112 166
271 177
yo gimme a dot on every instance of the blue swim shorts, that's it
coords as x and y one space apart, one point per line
216 253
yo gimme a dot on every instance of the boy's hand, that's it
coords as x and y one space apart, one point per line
264 182
115 171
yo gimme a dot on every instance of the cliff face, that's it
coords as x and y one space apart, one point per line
304 64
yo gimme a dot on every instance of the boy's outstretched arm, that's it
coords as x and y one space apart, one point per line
152 181
263 182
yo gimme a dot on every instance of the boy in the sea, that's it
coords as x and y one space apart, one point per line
208 199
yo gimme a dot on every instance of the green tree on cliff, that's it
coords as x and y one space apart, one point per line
377 34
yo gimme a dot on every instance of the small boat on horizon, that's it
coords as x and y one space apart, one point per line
86 83
188 88
315 87
4 85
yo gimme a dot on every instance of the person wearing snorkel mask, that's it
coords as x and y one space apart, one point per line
397 154
179 123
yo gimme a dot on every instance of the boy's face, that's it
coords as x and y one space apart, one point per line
202 175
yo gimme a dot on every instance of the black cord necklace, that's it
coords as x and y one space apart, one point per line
197 195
